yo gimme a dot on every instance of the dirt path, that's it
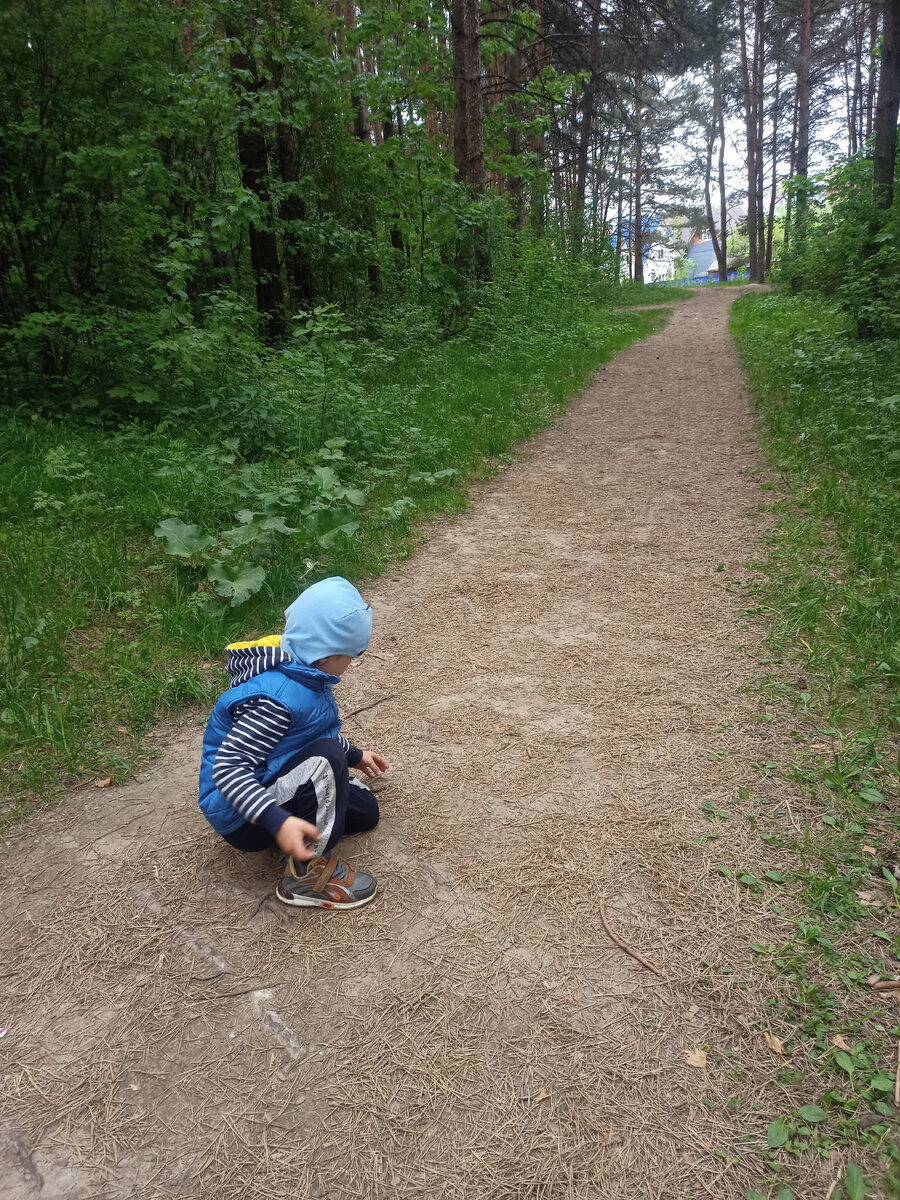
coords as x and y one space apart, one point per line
561 661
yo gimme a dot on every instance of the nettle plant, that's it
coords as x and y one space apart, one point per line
312 504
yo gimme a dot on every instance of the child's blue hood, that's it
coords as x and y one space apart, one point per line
330 617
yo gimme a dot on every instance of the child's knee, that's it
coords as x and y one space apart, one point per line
363 807
331 750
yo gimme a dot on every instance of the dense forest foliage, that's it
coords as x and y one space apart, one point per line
182 180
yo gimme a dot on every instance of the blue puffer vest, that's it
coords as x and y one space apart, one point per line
261 669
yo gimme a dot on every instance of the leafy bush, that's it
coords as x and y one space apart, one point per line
848 248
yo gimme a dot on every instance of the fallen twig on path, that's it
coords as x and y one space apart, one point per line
897 1080
884 985
791 816
632 953
366 707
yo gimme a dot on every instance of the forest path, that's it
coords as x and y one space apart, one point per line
558 663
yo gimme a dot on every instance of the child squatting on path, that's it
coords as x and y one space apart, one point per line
275 766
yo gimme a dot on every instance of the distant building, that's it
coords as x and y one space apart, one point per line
703 267
659 262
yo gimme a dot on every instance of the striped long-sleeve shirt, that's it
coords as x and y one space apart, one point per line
259 725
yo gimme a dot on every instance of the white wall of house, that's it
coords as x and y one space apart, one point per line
660 263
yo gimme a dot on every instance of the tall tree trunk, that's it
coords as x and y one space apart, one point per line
495 84
468 119
387 125
792 159
468 122
801 169
759 72
360 122
723 202
638 227
537 57
716 133
707 197
888 106
254 165
770 224
849 109
292 212
856 107
621 199
586 127
514 183
873 67
749 93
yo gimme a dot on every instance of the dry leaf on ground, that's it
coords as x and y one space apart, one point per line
695 1058
776 1045
102 783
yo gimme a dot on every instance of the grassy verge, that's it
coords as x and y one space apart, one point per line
828 595
102 629
631 293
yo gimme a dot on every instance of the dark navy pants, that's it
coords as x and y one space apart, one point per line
315 785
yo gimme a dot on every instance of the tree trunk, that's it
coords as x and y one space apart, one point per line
637 232
887 107
621 200
801 168
292 212
586 128
254 165
749 93
792 159
856 106
770 224
723 202
716 133
536 57
514 183
468 122
870 91
468 118
387 125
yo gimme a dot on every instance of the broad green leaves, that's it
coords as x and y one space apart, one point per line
232 560
811 1113
237 583
855 1183
328 524
777 1134
184 541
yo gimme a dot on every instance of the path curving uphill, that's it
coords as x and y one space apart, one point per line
562 669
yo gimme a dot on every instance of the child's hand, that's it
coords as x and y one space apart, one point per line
298 838
372 764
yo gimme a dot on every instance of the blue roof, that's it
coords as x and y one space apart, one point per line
702 256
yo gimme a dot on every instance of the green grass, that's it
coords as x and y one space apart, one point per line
631 293
832 413
827 593
102 630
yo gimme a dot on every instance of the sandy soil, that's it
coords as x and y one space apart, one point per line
555 668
